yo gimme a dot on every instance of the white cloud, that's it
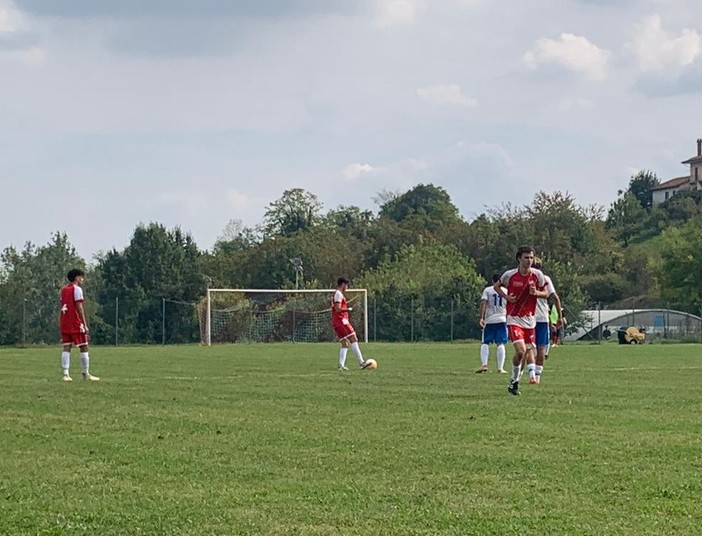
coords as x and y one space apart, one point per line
238 200
573 52
353 172
655 49
397 12
10 19
447 94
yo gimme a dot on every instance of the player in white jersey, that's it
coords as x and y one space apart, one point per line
493 320
543 323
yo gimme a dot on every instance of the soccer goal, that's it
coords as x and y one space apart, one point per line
265 315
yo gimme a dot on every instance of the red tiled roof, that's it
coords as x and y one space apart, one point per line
672 183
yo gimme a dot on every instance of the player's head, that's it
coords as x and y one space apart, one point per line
496 277
537 263
343 283
76 275
525 251
525 257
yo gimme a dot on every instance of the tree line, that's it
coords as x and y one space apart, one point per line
416 254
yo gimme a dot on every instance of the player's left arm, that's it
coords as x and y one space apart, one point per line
81 315
541 284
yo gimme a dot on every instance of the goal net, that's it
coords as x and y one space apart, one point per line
262 315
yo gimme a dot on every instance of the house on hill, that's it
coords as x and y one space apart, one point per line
693 181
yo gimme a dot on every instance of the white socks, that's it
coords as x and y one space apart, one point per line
65 362
532 371
484 353
342 356
500 356
539 370
84 362
357 350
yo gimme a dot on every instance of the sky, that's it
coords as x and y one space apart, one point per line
193 113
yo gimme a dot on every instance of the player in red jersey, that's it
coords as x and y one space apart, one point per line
74 326
520 287
343 328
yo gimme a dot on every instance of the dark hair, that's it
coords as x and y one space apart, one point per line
537 263
72 274
341 281
496 277
524 249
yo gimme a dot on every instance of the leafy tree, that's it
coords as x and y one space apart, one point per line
431 205
350 221
626 217
297 210
158 263
422 284
682 265
641 187
32 279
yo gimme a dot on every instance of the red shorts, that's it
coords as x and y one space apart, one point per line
517 333
344 331
77 339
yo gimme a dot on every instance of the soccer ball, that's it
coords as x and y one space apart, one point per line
372 363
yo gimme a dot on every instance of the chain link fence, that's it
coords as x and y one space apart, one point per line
160 320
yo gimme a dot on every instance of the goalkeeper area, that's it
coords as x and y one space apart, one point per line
267 315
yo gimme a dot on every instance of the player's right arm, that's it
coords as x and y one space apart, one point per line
483 306
501 287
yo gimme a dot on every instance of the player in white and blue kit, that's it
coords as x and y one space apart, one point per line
543 322
493 320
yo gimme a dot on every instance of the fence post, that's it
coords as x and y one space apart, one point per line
24 321
116 320
451 319
375 317
412 319
163 321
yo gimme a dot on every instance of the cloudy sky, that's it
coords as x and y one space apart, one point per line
196 112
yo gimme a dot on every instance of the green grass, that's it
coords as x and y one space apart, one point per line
271 439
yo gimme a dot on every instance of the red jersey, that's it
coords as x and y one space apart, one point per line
337 317
71 322
522 312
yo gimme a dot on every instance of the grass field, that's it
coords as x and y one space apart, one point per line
272 440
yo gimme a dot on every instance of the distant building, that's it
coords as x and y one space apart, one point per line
693 181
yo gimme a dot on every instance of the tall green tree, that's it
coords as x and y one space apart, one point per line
416 292
682 265
157 264
297 210
29 291
428 205
641 187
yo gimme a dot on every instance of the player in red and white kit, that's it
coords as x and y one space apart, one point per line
342 326
520 287
73 326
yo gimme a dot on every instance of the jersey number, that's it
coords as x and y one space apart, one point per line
496 300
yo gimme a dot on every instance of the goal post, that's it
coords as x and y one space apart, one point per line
275 315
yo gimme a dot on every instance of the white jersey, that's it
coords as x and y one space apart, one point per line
542 309
495 311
